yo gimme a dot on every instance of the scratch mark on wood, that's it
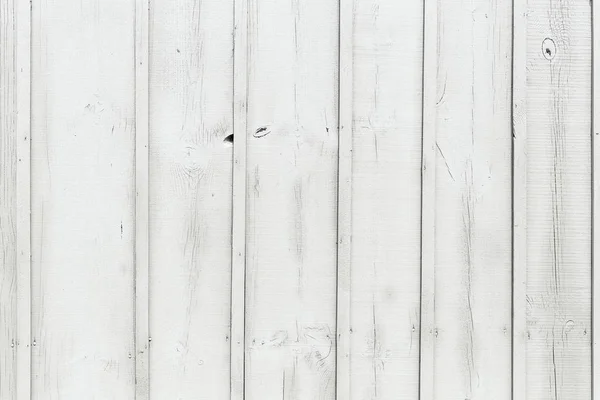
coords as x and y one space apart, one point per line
375 348
445 161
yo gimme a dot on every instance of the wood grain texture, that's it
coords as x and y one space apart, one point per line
558 200
8 199
343 387
428 200
292 196
23 187
191 93
386 199
238 229
473 209
141 277
83 109
519 200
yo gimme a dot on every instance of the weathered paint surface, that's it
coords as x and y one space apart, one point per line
386 199
190 197
473 201
299 174
8 200
291 199
83 200
559 200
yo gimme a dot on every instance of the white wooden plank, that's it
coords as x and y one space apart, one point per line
191 93
238 245
23 187
559 200
519 200
10 90
344 200
142 335
473 246
428 198
83 199
386 199
595 202
292 195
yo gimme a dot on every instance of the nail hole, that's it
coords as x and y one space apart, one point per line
228 141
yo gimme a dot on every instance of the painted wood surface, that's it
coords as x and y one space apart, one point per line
519 200
291 200
336 199
386 199
559 200
473 207
83 200
190 197
8 204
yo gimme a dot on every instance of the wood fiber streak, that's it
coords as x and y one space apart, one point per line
191 94
83 199
8 200
292 194
559 200
473 191
386 199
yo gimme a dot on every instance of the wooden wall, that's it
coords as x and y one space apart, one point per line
304 199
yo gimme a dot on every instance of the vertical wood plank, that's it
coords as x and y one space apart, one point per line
344 200
83 199
559 199
386 199
519 200
142 335
238 248
292 199
11 92
428 199
191 93
23 187
473 246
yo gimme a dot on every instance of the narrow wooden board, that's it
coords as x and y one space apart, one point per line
9 223
142 334
427 319
343 387
83 199
473 242
519 200
238 231
386 199
559 199
292 197
23 188
191 93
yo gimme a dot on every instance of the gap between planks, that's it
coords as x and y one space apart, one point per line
23 187
595 200
238 229
141 279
